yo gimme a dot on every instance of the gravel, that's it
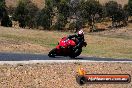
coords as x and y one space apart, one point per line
58 75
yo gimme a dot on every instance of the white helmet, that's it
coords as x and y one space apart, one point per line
80 32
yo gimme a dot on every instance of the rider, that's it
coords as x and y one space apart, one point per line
79 36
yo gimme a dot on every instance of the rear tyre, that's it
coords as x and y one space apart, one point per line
52 53
75 53
78 52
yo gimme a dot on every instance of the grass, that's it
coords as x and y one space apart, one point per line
121 36
36 41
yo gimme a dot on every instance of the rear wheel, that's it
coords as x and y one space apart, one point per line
78 52
52 53
75 53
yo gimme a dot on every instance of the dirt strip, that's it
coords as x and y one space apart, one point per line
58 75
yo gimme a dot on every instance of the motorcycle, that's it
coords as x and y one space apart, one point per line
65 48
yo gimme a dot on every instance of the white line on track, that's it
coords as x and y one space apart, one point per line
58 61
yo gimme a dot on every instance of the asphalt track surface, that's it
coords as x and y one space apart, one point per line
42 57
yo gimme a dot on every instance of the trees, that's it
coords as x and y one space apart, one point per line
63 14
25 13
44 17
31 16
21 13
111 8
58 14
2 8
91 10
4 18
116 13
61 22
75 14
130 7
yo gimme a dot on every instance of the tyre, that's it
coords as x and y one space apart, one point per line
78 52
52 53
75 53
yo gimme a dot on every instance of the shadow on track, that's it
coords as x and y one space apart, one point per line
27 57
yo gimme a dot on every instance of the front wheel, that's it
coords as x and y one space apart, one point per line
52 53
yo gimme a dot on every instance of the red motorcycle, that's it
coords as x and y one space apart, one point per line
65 48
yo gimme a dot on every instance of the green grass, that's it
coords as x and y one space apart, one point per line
110 47
121 36
99 46
34 40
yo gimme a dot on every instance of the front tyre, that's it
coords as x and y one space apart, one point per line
52 53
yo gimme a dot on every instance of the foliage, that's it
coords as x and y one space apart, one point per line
25 13
130 7
63 14
63 8
61 22
21 13
2 8
90 11
4 18
82 12
111 8
116 13
44 17
72 26
6 21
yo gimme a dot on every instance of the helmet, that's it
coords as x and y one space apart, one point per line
80 32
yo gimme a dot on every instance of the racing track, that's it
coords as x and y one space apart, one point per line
18 57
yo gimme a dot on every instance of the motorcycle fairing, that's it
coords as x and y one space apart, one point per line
64 43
